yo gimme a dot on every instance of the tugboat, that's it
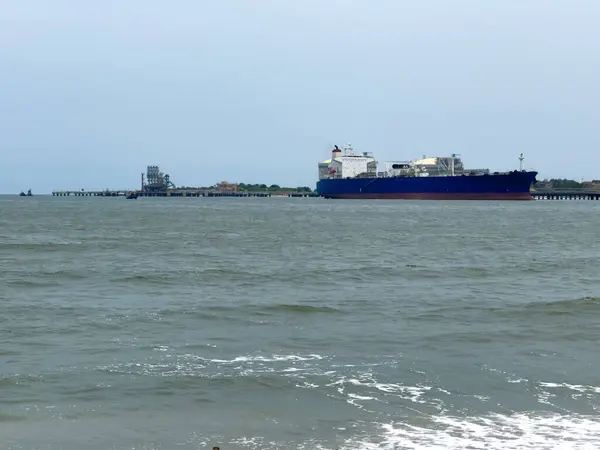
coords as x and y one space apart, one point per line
132 196
23 194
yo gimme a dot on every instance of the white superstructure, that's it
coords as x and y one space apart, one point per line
345 163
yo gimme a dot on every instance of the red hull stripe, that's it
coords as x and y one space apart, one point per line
437 196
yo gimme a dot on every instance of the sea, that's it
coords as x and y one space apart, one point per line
298 323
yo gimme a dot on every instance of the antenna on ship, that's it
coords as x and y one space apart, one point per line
349 150
521 162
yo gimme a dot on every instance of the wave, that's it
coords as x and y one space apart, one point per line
568 306
293 308
507 432
491 432
415 412
563 307
60 245
232 312
581 305
196 274
32 282
11 418
144 279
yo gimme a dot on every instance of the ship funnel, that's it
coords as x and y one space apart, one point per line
336 152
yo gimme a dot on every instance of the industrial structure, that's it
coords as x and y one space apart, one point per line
155 181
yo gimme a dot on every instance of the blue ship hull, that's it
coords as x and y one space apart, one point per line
507 186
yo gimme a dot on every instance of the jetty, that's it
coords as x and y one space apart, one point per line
565 194
175 193
155 183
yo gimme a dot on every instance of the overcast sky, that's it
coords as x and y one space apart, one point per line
91 92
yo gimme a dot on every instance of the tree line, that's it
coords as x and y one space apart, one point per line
247 187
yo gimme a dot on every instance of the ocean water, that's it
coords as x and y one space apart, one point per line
298 324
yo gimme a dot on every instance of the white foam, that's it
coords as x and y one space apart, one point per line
273 358
161 348
360 397
574 387
373 391
292 369
519 431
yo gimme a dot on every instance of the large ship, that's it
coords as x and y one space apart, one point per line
355 176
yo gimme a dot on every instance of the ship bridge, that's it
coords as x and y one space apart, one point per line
348 164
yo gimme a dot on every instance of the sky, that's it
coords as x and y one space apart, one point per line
258 91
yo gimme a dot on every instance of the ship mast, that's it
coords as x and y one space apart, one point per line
521 162
454 155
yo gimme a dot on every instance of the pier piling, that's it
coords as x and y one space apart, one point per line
565 194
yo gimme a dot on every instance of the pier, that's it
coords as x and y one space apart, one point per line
155 183
175 193
82 193
565 194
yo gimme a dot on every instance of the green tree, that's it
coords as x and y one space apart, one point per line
565 184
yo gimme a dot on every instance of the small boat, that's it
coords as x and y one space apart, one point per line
132 195
23 194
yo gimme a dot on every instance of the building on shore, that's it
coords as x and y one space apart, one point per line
592 185
225 187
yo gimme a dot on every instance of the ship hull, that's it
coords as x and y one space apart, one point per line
509 186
